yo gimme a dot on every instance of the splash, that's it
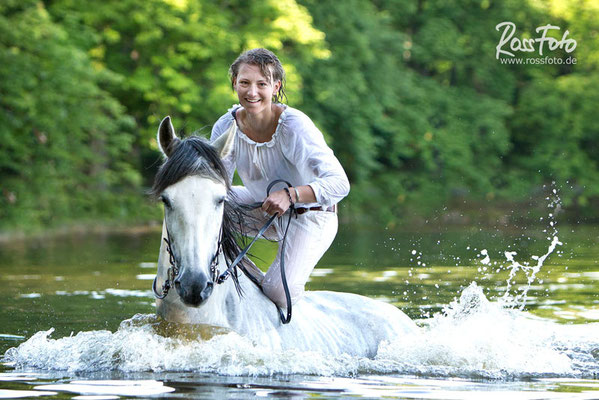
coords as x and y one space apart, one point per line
510 298
530 272
474 337
139 345
471 338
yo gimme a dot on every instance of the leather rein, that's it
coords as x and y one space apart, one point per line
173 271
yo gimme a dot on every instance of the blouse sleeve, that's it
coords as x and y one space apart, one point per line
241 193
305 146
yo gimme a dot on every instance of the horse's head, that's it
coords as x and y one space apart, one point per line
192 183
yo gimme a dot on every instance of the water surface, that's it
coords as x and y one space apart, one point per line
76 291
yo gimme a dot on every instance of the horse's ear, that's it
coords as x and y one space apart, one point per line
167 139
224 144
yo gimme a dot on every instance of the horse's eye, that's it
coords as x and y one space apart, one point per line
166 201
220 200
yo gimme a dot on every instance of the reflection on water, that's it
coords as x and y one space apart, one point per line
92 283
108 387
202 386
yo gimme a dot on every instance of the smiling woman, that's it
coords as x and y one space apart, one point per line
272 141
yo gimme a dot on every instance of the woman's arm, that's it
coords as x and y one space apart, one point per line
305 147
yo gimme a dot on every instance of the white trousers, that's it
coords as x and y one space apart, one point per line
309 236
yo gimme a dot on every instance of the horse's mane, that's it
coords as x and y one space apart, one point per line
191 156
195 156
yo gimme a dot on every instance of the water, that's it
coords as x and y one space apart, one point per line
78 314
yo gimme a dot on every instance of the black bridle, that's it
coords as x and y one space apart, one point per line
173 271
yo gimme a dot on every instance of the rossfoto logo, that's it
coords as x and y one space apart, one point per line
509 45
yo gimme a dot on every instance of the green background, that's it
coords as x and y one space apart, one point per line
409 94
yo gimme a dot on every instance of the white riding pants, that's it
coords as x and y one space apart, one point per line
309 236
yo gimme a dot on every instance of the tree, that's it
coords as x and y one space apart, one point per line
64 140
173 57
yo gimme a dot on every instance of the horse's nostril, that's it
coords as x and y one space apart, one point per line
193 289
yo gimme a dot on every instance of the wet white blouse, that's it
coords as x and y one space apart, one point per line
296 153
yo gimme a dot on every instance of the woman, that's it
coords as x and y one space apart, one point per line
275 141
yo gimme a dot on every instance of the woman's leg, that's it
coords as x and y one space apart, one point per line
309 236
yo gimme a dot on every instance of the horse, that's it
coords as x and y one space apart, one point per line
201 222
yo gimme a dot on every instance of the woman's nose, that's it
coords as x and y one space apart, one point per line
252 90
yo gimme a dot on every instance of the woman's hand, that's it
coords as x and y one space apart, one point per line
276 203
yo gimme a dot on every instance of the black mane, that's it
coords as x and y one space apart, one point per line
191 156
196 156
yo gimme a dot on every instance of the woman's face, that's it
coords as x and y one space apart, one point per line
255 91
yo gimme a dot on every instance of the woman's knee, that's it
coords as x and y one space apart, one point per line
276 293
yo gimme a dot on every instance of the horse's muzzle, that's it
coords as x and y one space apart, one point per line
193 289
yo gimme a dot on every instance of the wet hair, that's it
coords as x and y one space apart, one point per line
269 65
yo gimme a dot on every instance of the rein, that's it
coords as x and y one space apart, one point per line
285 319
173 271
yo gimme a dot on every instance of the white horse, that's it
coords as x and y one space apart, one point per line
193 185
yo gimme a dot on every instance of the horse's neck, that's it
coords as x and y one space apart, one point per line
250 308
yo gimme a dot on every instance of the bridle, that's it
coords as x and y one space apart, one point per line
173 271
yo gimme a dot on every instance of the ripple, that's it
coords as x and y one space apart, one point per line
110 387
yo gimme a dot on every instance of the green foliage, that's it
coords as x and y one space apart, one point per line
173 56
555 135
421 112
412 117
64 141
408 93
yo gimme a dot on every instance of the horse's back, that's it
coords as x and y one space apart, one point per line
337 323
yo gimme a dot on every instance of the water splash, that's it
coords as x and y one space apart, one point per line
474 337
471 338
530 272
139 345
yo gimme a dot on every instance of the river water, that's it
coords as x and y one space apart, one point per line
505 313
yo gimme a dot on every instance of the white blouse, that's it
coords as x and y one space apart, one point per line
296 153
